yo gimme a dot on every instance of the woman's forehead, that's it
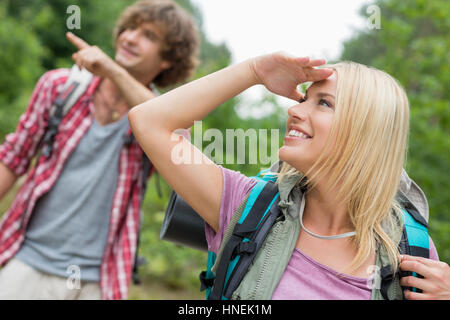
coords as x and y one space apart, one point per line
328 85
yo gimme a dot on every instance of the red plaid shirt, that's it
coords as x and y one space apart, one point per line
21 146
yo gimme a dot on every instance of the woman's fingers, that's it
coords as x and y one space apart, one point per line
316 62
425 261
409 295
282 73
417 267
302 61
309 68
436 282
318 74
423 266
296 95
415 282
308 62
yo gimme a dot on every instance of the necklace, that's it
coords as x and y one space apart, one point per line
338 236
114 113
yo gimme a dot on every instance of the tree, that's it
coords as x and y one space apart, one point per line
20 67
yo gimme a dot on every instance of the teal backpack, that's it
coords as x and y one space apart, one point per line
259 214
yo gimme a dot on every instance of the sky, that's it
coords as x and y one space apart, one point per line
314 28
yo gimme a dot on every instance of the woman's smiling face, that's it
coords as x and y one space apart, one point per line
309 125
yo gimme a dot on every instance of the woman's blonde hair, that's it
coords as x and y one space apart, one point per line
364 156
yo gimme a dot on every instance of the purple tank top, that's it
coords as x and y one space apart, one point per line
304 278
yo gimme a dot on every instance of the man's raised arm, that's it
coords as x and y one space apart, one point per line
99 63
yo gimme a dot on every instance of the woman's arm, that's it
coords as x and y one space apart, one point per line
153 122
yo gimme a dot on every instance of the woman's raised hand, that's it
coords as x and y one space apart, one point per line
435 284
281 73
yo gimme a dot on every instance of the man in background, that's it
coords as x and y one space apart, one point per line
79 207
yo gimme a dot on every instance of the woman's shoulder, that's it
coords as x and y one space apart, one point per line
236 182
235 187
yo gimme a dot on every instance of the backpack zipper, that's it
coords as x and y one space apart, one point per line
266 258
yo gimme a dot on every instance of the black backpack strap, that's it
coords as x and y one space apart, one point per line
56 118
138 261
248 250
75 86
146 167
387 276
244 230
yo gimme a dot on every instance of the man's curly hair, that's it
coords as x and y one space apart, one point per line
180 36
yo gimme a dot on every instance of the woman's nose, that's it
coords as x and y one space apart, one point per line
298 111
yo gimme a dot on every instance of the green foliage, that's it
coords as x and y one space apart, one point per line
48 19
177 266
413 46
20 65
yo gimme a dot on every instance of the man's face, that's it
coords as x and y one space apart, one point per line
138 50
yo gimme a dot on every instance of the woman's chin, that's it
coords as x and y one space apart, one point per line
287 154
282 154
292 158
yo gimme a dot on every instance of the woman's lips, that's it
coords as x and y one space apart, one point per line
292 138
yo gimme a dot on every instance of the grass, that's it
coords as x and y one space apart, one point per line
153 289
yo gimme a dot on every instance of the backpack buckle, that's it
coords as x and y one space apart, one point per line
247 247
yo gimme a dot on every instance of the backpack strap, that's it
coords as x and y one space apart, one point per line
73 89
207 277
139 260
246 238
416 233
414 242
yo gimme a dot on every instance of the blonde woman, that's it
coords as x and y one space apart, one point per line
345 144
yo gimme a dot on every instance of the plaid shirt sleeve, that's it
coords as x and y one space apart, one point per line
19 147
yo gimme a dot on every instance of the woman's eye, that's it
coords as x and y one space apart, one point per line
324 102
